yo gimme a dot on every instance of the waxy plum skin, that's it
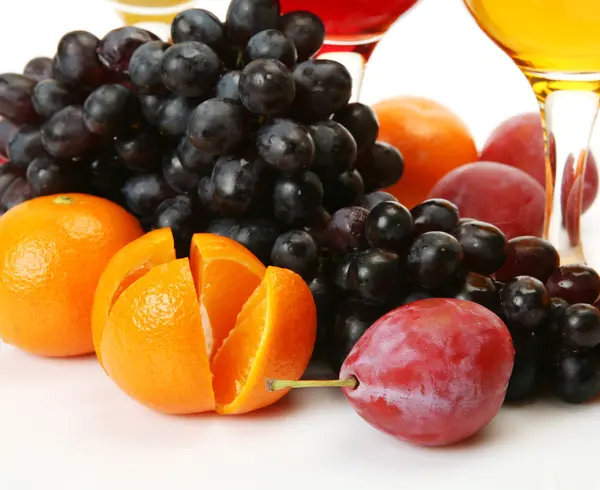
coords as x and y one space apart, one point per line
433 372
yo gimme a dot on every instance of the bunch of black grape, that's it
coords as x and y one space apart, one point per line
380 255
232 128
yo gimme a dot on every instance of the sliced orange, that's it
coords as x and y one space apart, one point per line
225 273
273 338
153 343
127 266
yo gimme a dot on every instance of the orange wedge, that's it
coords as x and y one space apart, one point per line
273 337
128 265
153 344
226 273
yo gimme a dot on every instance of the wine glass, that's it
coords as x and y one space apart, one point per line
353 27
556 44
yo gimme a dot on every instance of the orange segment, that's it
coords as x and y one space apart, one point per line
225 274
127 266
153 342
273 338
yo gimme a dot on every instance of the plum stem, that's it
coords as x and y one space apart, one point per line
281 384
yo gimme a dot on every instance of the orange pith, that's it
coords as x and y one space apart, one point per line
225 274
153 342
273 338
53 250
129 264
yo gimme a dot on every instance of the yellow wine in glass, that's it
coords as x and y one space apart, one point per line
556 44
149 11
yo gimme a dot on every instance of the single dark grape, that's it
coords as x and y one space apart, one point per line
296 250
19 191
524 380
369 201
144 193
198 25
109 110
316 224
377 276
346 189
38 69
76 62
381 166
50 96
362 123
226 227
529 256
297 198
322 88
139 150
258 235
192 158
434 259
65 135
525 303
228 87
435 215
117 47
15 98
150 106
575 284
550 334
476 288
218 125
390 227
346 231
247 17
306 31
206 191
484 246
335 148
25 145
180 214
353 320
326 300
340 272
174 114
286 145
144 68
181 179
235 182
266 87
47 177
271 44
576 376
7 130
190 69
580 326
107 175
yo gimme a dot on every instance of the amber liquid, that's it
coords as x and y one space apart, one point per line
545 35
138 11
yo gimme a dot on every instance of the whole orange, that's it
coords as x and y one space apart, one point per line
53 250
432 139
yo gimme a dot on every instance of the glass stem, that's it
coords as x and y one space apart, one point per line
569 118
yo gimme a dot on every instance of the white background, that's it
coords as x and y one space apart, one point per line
64 425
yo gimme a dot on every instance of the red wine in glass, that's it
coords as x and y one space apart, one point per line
352 25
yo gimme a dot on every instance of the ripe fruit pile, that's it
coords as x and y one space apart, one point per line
232 126
390 256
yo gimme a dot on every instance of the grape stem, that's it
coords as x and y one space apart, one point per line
281 384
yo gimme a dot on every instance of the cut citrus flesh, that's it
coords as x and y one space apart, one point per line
153 342
273 337
225 274
128 265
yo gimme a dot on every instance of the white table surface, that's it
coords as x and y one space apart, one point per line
63 424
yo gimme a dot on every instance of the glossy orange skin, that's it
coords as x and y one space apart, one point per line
432 139
53 250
